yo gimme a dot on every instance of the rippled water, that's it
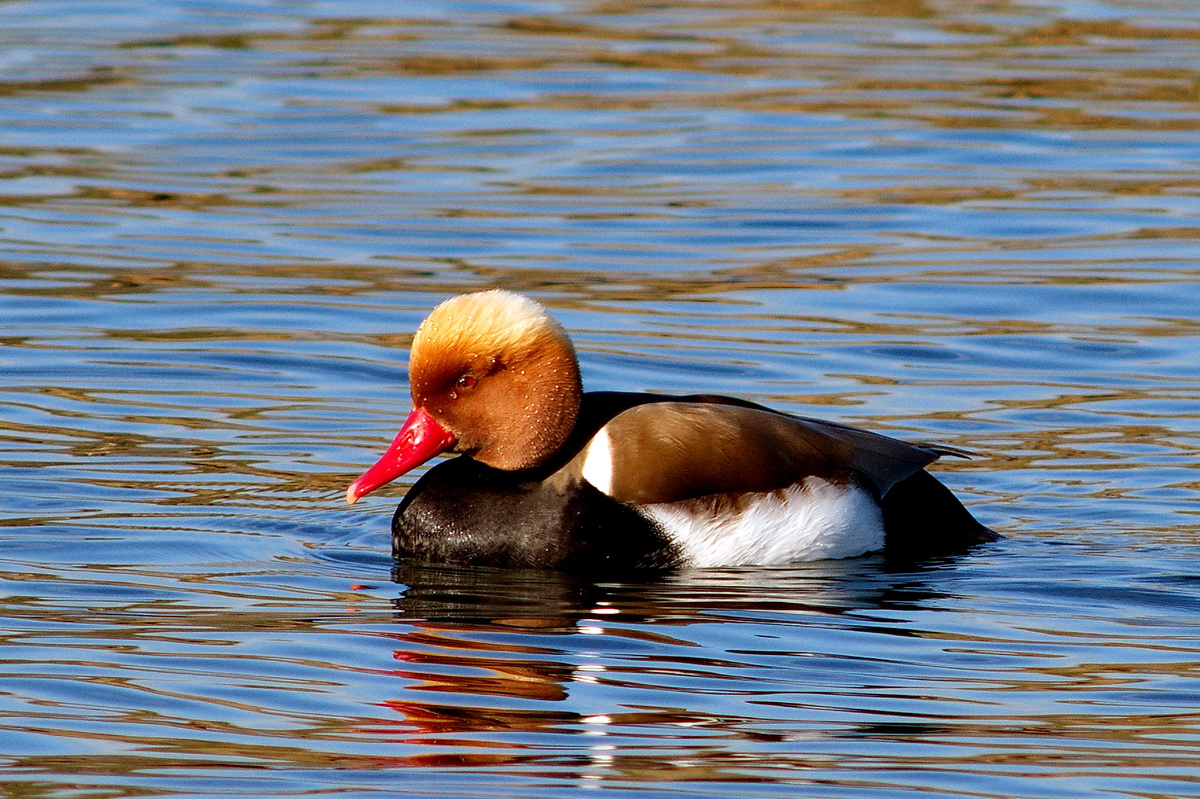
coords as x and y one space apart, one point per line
220 221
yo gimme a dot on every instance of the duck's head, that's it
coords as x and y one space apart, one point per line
494 377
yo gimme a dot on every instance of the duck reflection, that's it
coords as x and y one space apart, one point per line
502 653
549 601
517 599
483 656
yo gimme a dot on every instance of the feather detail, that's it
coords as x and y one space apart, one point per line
813 520
667 451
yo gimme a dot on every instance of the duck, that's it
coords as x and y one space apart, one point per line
550 476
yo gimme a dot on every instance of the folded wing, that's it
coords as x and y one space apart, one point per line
668 451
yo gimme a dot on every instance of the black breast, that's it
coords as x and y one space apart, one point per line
463 512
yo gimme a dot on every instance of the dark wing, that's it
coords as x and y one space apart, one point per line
667 451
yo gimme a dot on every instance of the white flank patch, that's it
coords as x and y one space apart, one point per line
598 462
813 520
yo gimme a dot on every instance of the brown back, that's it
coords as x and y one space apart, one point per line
667 451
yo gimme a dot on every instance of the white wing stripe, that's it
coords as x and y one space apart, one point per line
598 462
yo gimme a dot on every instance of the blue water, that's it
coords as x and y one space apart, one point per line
220 223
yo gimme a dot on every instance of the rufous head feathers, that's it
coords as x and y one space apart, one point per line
499 373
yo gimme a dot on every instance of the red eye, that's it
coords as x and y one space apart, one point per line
466 381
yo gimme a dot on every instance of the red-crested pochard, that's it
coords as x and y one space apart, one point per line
549 476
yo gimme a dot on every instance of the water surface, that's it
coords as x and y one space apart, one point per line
220 222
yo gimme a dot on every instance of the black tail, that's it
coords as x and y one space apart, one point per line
922 518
